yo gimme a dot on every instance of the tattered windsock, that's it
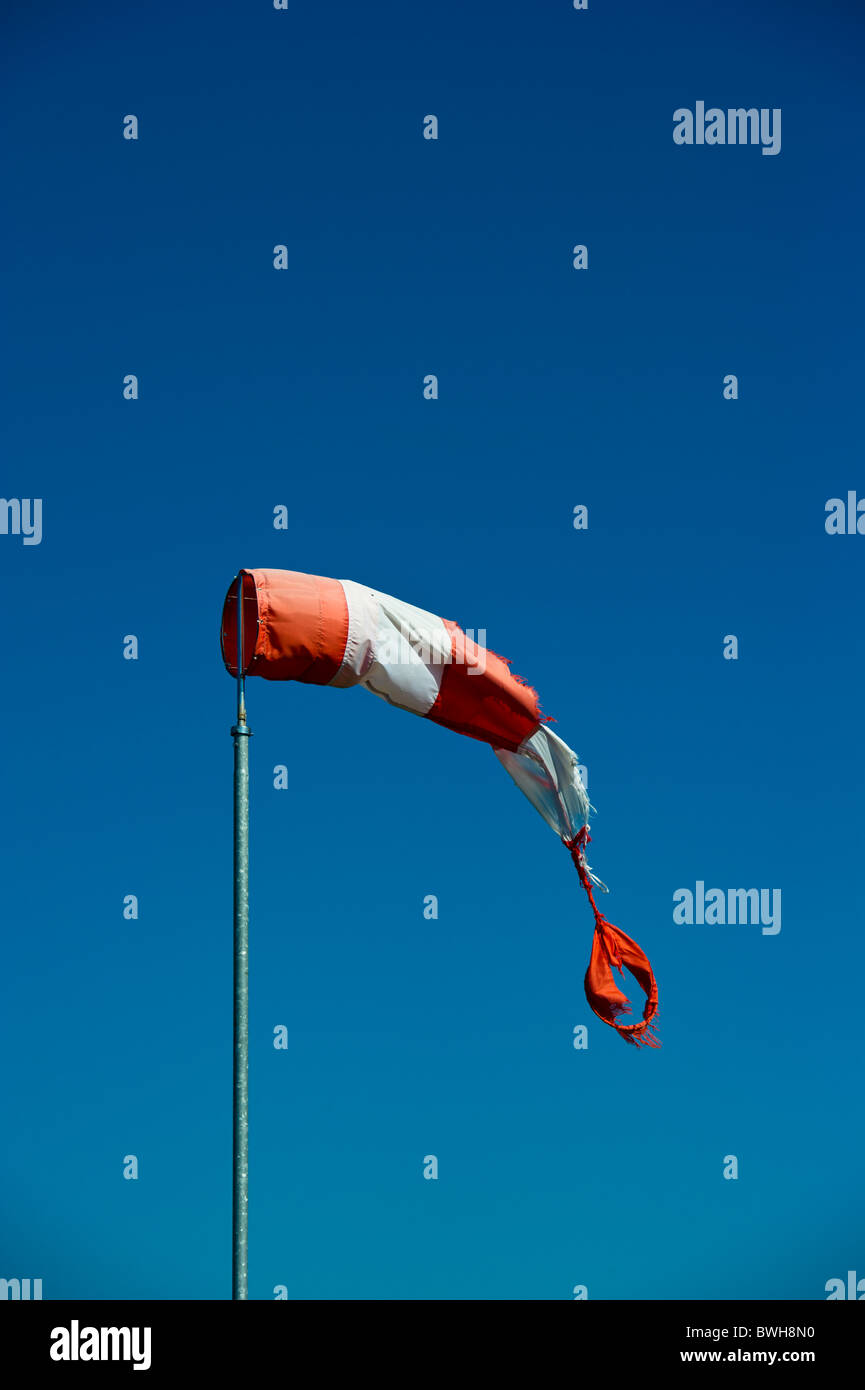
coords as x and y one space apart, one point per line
336 632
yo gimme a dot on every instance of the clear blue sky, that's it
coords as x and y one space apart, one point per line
557 1167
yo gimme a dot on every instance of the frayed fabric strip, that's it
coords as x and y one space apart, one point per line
613 949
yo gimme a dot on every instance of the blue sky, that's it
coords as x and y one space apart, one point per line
557 387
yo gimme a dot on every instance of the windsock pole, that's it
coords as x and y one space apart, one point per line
240 1154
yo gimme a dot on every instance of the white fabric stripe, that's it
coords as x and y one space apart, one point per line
397 651
363 622
545 769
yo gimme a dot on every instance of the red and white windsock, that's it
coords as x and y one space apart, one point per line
336 632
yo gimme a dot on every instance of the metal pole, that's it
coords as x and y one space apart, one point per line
240 1190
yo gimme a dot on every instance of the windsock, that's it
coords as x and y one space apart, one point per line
337 632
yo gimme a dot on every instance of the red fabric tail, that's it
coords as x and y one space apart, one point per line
613 948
